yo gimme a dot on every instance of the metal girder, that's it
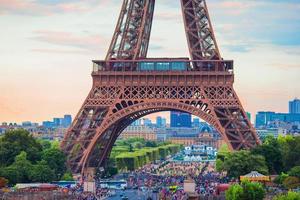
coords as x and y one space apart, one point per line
131 37
117 98
199 31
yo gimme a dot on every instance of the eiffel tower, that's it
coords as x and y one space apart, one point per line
128 85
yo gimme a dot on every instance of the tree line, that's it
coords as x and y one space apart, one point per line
276 156
25 159
133 153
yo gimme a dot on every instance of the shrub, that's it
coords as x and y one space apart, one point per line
291 182
288 196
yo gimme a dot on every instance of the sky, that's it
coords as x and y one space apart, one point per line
46 48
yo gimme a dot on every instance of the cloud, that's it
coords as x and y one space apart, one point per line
46 7
86 42
168 16
285 66
59 51
238 48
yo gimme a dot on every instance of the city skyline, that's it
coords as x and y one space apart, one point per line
46 60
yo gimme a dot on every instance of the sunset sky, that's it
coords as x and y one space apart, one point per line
46 48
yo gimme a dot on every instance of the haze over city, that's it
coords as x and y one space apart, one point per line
47 47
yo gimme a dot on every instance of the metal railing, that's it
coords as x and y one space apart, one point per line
147 65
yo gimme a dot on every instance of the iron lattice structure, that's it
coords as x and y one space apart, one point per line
127 85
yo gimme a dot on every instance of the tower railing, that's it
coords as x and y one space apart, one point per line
148 65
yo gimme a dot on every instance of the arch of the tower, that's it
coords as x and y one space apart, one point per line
101 145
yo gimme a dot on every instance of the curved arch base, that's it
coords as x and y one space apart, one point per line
111 106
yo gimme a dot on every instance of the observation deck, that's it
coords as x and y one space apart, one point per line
164 65
162 71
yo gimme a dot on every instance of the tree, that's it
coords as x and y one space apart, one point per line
234 192
272 153
290 148
150 143
12 174
46 144
67 177
138 145
14 142
295 171
242 162
23 166
253 191
41 172
56 160
246 191
18 172
279 179
288 196
291 182
219 165
131 148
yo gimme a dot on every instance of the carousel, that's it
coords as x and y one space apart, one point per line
255 177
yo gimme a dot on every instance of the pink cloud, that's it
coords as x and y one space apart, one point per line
87 42
168 16
234 7
26 7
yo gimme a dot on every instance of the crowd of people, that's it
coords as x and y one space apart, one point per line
78 193
168 178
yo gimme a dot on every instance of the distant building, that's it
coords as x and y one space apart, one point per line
200 139
48 124
136 123
66 121
164 122
196 122
181 119
294 106
263 133
144 132
57 121
266 119
26 124
147 122
159 121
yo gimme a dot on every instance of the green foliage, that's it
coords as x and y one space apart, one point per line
271 151
242 162
288 196
138 145
14 142
219 165
19 171
290 148
25 159
295 171
12 174
125 159
291 182
150 143
246 191
55 159
131 148
67 177
235 192
253 191
46 144
279 179
224 149
41 172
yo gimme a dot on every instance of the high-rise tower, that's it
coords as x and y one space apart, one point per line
127 85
